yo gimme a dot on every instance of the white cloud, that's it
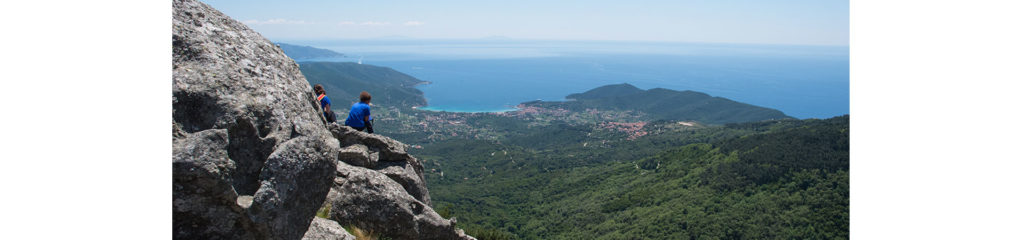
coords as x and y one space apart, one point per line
364 23
276 21
373 23
414 23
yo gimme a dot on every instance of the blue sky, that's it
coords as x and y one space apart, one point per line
801 22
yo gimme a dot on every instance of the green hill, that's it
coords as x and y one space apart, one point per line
300 53
344 80
665 104
607 91
785 179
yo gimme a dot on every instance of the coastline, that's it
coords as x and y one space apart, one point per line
466 111
421 83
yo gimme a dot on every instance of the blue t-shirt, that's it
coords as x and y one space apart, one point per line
355 116
324 102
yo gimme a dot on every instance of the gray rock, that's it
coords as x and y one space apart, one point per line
371 200
358 155
202 190
295 182
224 73
390 149
245 123
410 175
385 155
324 229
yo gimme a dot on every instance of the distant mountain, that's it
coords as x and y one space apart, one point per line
666 104
614 90
306 52
344 80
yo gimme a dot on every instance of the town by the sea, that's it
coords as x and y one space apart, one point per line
498 74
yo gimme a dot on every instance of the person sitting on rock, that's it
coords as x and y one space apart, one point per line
325 103
359 117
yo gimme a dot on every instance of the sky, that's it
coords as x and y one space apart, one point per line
795 22
913 173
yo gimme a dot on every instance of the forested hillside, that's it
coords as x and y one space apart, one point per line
786 179
665 104
344 80
300 53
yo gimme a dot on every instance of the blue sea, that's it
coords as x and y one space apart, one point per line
496 75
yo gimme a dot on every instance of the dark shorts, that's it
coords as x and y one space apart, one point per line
368 128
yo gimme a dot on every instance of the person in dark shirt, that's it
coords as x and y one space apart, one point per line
359 117
325 103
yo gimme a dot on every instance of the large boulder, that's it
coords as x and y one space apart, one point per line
204 201
371 200
293 187
252 158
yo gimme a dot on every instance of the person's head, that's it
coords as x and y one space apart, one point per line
364 97
319 89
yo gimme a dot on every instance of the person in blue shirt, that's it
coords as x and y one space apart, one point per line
359 117
325 103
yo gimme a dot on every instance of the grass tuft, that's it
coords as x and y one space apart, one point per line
361 234
325 211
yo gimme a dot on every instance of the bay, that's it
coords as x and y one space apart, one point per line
496 75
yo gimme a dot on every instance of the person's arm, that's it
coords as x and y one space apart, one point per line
366 115
366 121
327 108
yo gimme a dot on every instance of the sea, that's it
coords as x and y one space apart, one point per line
494 75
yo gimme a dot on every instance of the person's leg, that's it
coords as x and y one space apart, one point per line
359 128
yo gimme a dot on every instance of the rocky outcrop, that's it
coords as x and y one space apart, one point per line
380 187
251 156
371 200
385 155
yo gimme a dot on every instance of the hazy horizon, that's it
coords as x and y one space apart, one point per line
387 39
788 22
